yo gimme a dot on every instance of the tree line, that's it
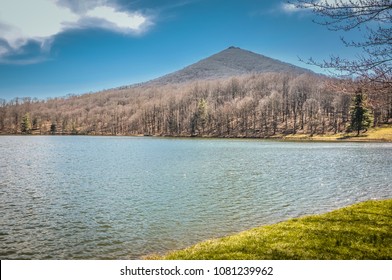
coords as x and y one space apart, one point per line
259 105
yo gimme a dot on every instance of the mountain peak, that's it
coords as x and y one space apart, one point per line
232 61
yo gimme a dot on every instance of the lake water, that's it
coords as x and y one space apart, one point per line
127 197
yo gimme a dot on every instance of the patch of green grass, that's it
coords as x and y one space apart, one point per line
361 231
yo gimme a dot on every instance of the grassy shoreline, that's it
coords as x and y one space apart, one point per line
378 134
360 231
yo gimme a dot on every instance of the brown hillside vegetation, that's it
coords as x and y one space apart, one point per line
254 105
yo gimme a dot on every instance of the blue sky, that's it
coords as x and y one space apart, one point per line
52 48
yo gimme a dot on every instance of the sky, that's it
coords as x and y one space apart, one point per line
52 48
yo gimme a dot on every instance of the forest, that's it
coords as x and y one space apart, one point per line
254 106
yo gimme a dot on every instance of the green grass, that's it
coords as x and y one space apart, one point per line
361 231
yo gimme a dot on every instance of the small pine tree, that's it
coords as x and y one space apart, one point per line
25 125
360 115
202 112
53 128
200 118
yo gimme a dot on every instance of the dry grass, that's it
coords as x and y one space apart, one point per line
378 134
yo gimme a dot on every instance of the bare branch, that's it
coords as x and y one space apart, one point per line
375 63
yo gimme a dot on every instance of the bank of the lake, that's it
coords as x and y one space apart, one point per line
377 134
360 231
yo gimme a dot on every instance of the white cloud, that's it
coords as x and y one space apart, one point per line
3 50
40 20
121 20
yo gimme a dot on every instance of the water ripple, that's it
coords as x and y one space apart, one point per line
124 197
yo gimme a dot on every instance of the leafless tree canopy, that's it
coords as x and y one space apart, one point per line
261 105
374 19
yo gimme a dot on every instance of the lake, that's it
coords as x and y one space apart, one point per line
76 197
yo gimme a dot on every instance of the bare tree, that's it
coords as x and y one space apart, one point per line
264 105
374 19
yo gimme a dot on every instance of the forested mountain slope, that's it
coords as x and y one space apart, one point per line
259 97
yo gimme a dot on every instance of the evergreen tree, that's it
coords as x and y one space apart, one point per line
25 125
360 115
200 118
202 112
53 128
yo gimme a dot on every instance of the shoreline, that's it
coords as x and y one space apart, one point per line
381 134
300 138
359 231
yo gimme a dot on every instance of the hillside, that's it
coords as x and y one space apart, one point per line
229 63
234 93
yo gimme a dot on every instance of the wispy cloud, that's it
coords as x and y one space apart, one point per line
40 20
291 8
121 21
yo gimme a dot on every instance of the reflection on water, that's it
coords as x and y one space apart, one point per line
125 197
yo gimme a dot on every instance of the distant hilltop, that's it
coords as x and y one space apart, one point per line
232 61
